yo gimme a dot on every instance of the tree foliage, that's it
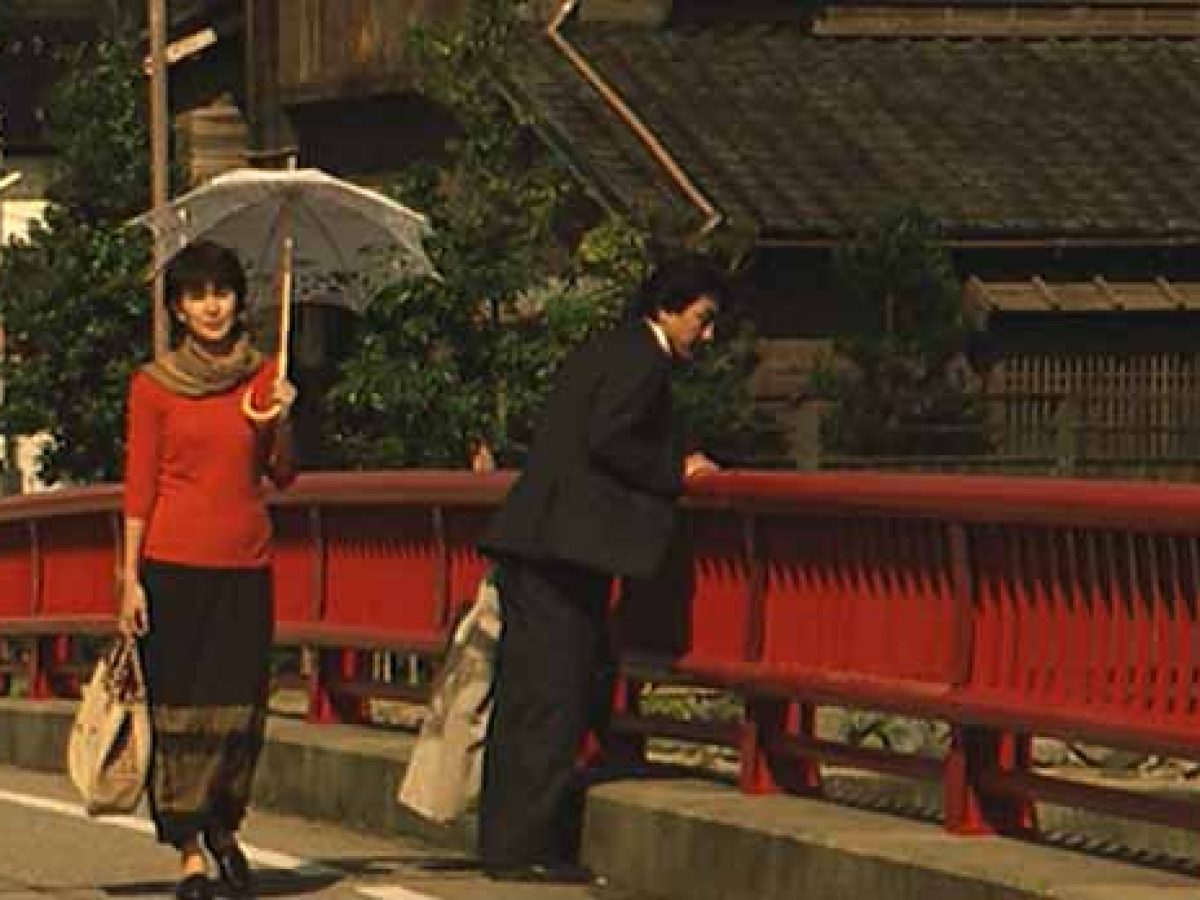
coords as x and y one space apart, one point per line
73 297
421 383
439 364
900 385
435 364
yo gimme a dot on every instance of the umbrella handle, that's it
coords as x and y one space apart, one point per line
259 415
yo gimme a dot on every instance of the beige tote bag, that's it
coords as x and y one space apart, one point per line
446 769
108 754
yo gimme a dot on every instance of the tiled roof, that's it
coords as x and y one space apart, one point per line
800 135
1098 295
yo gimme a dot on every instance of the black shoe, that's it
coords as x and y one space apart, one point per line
194 887
545 873
231 862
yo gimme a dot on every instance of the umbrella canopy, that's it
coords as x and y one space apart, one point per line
347 240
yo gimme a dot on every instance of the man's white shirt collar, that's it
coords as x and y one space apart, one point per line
660 336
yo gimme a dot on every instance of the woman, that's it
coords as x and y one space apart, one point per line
197 583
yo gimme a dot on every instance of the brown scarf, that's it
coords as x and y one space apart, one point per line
192 372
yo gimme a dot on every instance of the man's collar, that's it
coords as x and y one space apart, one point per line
661 337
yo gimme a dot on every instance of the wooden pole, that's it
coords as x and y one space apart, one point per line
158 158
268 143
10 475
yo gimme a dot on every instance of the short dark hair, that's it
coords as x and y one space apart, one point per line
202 264
676 283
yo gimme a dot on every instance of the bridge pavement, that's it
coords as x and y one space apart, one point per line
49 849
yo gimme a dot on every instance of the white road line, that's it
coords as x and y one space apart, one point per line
133 823
391 892
271 859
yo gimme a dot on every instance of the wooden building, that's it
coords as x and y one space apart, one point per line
1056 141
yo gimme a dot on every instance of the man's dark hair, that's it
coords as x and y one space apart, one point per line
677 282
202 264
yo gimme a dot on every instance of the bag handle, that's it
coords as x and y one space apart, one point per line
125 680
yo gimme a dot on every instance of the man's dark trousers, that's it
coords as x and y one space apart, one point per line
554 636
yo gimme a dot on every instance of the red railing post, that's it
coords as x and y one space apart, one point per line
38 686
764 722
768 721
327 704
322 708
444 605
976 752
46 654
805 777
318 710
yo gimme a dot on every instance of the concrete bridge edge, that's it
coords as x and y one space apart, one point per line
668 838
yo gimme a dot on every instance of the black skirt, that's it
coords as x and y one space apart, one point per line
207 663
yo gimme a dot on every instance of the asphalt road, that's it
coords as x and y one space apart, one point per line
50 849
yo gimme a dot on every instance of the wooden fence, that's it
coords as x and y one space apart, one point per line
1088 434
1115 415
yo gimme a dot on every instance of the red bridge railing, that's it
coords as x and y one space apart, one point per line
363 561
1005 607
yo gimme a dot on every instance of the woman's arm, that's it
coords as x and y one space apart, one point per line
281 455
134 618
280 460
143 439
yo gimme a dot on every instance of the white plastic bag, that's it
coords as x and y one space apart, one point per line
446 769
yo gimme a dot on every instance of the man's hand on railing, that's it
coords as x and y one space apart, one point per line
698 464
134 619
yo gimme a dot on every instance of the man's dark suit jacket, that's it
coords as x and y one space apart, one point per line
600 484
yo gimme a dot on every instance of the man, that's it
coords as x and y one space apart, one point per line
596 499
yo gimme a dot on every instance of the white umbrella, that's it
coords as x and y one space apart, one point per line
326 239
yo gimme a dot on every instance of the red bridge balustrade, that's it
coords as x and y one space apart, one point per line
363 561
1004 607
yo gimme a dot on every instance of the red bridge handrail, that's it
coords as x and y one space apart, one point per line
1153 506
1156 506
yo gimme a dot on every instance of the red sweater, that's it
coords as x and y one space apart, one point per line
193 472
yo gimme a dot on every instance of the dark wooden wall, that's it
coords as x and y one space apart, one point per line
334 48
